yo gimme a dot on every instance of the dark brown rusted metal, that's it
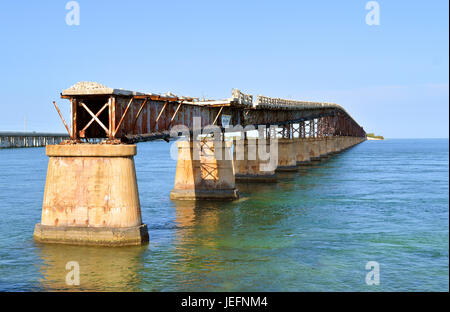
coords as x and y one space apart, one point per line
162 110
123 116
150 117
82 131
217 116
95 117
62 118
176 111
139 112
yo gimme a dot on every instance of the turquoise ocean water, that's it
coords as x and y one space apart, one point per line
315 230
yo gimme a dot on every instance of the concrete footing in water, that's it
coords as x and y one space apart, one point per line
204 171
91 193
248 166
91 197
314 150
99 236
287 155
302 152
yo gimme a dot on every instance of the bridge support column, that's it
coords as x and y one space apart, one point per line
323 147
91 197
350 141
302 150
314 149
334 144
204 172
248 167
346 142
338 144
287 156
330 143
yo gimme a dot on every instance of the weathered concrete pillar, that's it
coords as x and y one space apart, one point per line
346 142
341 143
204 171
91 197
287 157
334 148
248 167
330 143
323 147
314 149
302 152
338 144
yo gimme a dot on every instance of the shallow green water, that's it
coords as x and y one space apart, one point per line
384 201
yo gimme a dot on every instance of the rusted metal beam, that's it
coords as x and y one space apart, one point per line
157 114
162 110
139 112
62 118
74 131
176 111
95 117
123 116
92 120
217 116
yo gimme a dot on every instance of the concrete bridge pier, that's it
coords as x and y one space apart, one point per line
351 141
314 149
323 147
330 145
346 142
204 171
302 152
287 156
248 167
333 148
91 197
339 144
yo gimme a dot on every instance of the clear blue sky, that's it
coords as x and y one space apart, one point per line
392 78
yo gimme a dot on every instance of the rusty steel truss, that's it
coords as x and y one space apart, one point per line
129 117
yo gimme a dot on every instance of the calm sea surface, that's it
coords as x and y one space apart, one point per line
384 201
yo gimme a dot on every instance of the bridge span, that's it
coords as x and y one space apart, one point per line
91 194
11 139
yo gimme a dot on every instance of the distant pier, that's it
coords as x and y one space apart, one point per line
30 139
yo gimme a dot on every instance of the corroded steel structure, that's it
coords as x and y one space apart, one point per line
122 116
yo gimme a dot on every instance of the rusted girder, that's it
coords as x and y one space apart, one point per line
145 117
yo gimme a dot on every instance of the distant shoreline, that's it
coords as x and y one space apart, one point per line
375 139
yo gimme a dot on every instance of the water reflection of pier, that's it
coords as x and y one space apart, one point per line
101 269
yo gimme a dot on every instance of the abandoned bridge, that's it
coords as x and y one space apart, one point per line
91 194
